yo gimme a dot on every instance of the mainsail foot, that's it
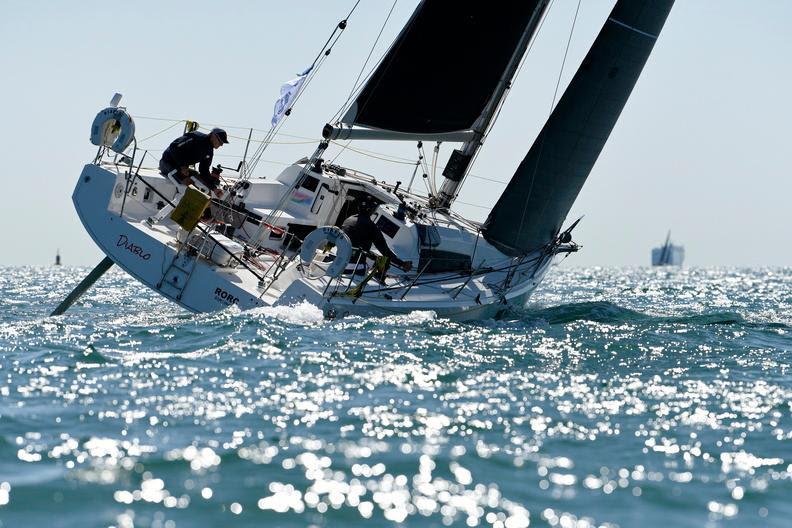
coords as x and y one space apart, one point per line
84 286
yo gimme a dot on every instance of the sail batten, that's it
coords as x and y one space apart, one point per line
622 24
529 213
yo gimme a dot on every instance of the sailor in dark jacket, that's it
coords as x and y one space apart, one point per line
363 232
191 148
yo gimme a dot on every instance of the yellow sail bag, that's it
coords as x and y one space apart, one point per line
190 209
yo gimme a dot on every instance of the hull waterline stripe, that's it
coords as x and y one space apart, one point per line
622 24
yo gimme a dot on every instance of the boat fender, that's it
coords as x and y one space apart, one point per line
113 128
321 236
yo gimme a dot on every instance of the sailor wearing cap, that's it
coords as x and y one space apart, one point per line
189 149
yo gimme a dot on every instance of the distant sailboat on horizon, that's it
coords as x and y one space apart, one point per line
668 254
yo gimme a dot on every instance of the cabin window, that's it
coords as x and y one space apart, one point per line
309 183
296 234
428 235
387 227
443 261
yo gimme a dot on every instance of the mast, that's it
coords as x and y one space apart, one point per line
459 162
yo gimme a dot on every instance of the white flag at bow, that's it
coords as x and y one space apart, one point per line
287 94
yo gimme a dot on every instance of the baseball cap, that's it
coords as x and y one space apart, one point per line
221 134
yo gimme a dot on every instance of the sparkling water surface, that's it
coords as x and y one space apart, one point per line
619 397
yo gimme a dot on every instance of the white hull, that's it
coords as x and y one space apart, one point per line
200 285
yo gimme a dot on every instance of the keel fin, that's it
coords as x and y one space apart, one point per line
84 286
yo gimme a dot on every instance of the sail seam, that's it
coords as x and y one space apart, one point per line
622 24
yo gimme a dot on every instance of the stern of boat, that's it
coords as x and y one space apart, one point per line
115 221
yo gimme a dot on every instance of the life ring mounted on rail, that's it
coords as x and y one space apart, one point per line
316 241
114 128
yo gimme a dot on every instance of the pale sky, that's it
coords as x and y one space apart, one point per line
700 149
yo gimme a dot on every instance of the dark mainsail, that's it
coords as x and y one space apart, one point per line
441 71
529 213
665 252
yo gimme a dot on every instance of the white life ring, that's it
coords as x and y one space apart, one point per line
317 240
114 128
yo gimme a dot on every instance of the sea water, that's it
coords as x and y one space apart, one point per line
619 397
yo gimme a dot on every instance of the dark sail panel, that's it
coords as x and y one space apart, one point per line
529 213
442 69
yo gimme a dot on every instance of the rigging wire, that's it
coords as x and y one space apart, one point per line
435 155
318 60
508 268
306 140
322 56
542 142
341 151
376 155
342 26
424 163
388 158
212 125
312 75
324 52
274 130
356 88
160 132
355 85
506 95
472 205
566 52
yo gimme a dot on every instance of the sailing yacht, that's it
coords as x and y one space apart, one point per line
668 254
279 242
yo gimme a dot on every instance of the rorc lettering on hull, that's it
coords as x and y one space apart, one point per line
224 296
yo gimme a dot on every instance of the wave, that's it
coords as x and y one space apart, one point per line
304 313
608 312
713 318
598 311
91 355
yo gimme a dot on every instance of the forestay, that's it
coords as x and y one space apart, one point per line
530 212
